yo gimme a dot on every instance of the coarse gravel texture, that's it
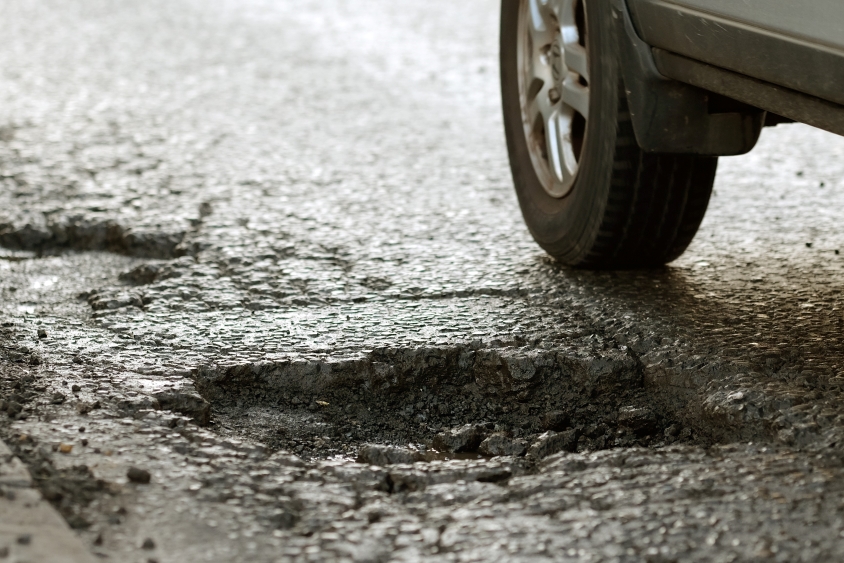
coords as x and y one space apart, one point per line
269 254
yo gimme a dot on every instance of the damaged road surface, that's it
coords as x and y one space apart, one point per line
267 296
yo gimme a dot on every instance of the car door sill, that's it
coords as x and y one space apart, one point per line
764 95
793 62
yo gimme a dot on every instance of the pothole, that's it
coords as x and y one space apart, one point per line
435 403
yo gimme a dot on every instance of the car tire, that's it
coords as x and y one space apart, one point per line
589 195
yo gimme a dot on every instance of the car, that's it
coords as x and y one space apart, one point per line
616 111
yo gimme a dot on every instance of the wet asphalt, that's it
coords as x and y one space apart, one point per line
239 241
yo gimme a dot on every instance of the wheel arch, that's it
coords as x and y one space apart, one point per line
672 117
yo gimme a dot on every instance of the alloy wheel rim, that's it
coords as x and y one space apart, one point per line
554 88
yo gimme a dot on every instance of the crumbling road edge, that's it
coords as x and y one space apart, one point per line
30 528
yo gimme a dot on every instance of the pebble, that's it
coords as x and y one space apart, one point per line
84 408
137 475
555 420
639 420
13 408
466 438
374 454
148 543
501 444
552 442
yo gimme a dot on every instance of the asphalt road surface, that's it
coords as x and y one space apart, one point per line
268 256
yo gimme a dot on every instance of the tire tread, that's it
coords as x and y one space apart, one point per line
655 205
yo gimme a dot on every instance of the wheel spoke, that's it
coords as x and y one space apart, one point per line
541 37
557 7
554 141
574 51
568 161
576 96
560 151
540 108
576 60
540 69
541 33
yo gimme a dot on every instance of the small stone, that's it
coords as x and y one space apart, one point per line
84 408
374 454
137 475
65 448
556 421
42 333
501 444
639 420
51 492
75 388
77 522
286 459
57 399
25 539
186 402
673 431
77 360
148 544
141 275
552 442
467 438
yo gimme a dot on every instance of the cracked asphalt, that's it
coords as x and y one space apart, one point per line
267 255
